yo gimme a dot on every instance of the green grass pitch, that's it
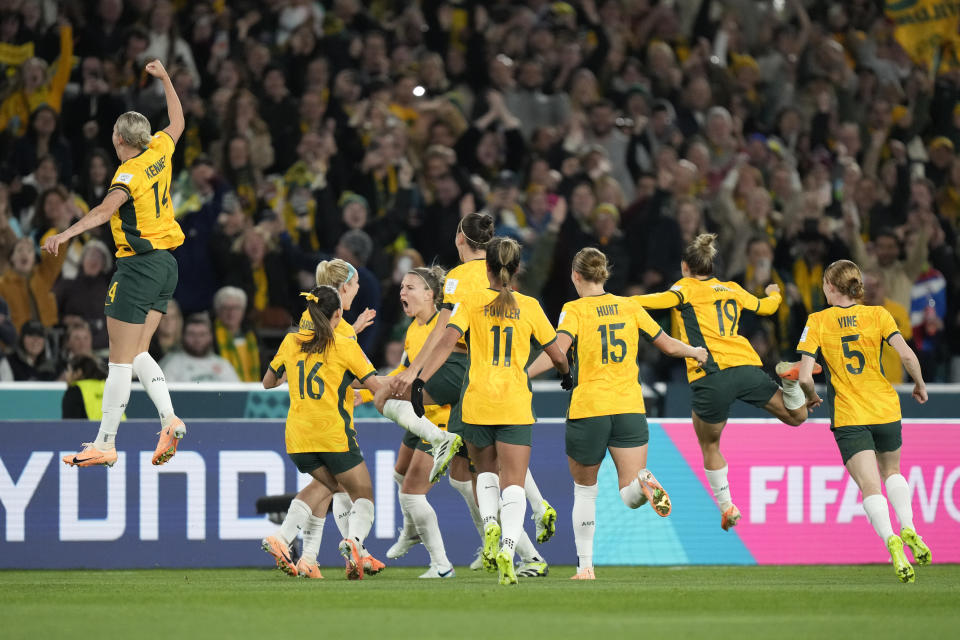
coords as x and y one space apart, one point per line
624 602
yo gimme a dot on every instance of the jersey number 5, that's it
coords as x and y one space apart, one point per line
311 385
508 347
729 309
608 338
156 196
853 354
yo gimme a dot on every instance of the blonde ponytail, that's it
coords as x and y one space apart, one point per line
700 253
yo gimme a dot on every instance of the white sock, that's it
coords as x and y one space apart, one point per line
898 493
401 412
425 519
526 550
793 396
312 534
488 497
721 488
342 506
879 515
155 384
116 394
361 519
409 529
585 521
298 513
513 506
465 489
632 495
533 495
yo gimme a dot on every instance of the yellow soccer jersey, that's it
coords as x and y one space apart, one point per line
343 327
498 388
851 340
707 313
469 277
320 418
417 334
145 221
606 333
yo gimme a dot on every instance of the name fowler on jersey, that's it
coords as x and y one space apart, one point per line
505 314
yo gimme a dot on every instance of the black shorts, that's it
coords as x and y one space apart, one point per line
854 438
715 392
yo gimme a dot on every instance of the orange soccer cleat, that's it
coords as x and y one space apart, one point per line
656 495
308 570
91 456
350 551
372 566
281 553
170 437
730 518
791 370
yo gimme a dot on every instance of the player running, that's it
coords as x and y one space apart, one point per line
138 206
864 407
307 511
319 431
501 327
707 312
606 407
446 386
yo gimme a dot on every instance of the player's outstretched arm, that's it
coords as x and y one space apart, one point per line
662 300
448 340
805 379
270 379
401 383
677 349
769 305
912 365
174 109
94 218
543 361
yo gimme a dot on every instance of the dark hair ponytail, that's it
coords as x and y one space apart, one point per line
477 230
503 260
322 302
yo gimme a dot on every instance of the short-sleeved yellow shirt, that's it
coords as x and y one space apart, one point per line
606 332
497 386
145 221
320 418
707 313
852 340
469 277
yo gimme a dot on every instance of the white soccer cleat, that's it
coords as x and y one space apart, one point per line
403 544
436 572
477 563
443 453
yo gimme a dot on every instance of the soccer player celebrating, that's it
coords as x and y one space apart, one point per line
707 312
864 407
421 292
307 511
606 408
497 411
319 431
446 386
138 206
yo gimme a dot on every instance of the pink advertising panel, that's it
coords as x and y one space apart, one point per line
800 505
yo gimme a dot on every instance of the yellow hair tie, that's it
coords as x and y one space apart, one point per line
309 296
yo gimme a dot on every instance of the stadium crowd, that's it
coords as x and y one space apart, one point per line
797 130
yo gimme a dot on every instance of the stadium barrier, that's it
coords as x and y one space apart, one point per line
798 504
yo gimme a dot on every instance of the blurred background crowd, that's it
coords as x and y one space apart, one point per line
799 131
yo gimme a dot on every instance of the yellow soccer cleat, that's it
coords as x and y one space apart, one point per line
546 523
919 549
505 568
90 456
491 545
900 564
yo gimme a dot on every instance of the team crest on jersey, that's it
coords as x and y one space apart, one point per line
451 285
125 178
